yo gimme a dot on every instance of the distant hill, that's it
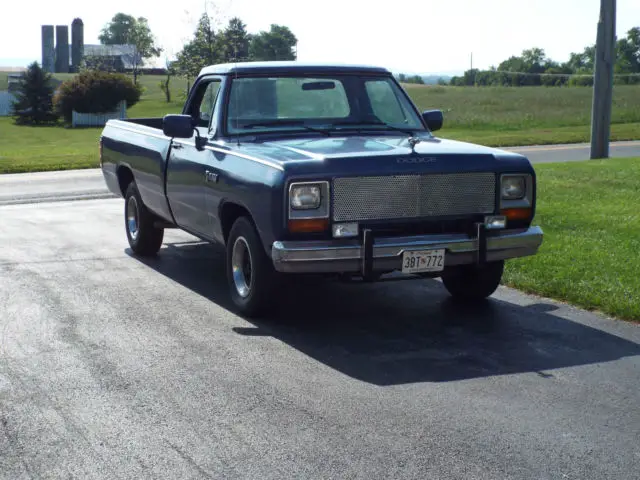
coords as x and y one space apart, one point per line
433 79
427 78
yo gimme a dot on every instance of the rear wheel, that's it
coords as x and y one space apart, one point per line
473 283
250 274
145 239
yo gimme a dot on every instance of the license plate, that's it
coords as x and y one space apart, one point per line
419 261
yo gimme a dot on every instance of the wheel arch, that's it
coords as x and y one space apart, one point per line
125 176
229 212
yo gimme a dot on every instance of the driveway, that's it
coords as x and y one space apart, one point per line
115 367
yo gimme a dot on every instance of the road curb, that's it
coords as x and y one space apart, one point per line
58 198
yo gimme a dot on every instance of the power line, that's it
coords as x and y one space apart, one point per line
566 75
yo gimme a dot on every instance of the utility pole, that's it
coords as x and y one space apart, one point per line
603 80
472 72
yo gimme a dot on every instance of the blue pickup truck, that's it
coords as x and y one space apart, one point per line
302 168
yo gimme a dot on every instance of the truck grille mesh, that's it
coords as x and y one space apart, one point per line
411 196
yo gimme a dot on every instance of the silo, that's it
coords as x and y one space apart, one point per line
48 49
62 49
77 43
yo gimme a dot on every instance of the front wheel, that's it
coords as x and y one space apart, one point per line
250 274
473 283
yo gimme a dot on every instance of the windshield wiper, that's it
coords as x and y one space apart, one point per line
382 124
285 123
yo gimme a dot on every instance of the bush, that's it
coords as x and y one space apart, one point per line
95 92
33 104
581 81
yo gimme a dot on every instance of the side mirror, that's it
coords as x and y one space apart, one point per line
433 119
177 126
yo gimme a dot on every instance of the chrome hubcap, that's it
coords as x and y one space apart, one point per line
132 217
241 267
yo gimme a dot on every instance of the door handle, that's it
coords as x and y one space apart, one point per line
176 146
210 176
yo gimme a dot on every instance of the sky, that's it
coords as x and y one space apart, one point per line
409 36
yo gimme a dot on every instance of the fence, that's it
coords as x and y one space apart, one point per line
6 99
98 119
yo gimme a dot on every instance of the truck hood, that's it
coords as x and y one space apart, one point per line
384 154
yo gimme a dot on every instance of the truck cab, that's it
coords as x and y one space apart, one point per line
320 169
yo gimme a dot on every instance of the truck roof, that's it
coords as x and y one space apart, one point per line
292 66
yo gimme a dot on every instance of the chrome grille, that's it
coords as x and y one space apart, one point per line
410 196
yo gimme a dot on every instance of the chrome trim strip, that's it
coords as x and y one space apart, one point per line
311 155
247 157
143 129
267 163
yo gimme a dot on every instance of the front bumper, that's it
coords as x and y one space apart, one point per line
366 255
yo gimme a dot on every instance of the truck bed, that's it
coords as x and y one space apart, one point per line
140 145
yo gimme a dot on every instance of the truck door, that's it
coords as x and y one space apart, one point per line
188 172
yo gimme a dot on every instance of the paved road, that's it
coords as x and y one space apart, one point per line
113 367
52 186
86 184
574 152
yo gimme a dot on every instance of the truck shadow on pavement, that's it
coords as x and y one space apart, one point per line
393 333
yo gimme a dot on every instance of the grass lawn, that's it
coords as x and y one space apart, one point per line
30 149
494 116
522 108
509 116
589 257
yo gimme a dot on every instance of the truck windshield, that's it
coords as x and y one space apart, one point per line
340 103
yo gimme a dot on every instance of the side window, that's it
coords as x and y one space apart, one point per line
208 103
384 102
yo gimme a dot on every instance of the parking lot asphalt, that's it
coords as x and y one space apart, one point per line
117 367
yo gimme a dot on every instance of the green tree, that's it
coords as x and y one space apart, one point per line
531 61
583 61
276 44
513 64
204 49
470 77
235 41
165 85
34 98
534 60
628 52
125 29
555 76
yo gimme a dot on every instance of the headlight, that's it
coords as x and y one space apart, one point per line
305 197
513 187
309 206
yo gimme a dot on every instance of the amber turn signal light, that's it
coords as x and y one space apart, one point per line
516 213
309 225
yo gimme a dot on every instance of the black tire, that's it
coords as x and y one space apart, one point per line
471 283
144 238
253 279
